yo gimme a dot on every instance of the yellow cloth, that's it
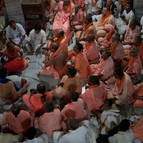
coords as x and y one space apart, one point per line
8 138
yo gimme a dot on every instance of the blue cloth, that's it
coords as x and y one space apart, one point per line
5 80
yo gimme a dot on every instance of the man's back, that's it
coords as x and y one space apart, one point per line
122 137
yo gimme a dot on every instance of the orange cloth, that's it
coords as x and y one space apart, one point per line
62 46
94 2
138 129
104 19
34 102
125 2
119 82
13 55
95 97
50 122
48 5
110 31
84 71
20 123
67 10
87 26
59 40
140 49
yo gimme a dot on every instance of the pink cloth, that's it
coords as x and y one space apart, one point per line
136 67
101 33
91 52
95 97
139 103
34 102
105 68
78 108
125 91
61 20
138 129
119 52
50 122
79 17
49 71
15 123
131 34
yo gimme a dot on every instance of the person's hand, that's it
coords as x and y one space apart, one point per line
26 85
37 51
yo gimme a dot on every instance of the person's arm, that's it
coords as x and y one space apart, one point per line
22 32
43 42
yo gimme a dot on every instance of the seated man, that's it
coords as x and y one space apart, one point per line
78 19
71 82
56 65
106 18
8 88
105 67
91 49
37 39
128 14
116 48
13 58
50 121
95 94
124 134
135 64
122 91
110 117
78 59
56 61
16 34
76 106
19 120
60 37
88 28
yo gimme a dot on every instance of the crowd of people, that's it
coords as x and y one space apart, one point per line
99 95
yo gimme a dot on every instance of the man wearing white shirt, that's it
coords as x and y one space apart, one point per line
91 8
128 14
16 33
37 39
124 135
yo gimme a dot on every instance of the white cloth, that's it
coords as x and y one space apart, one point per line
108 117
2 22
37 39
141 23
16 79
129 16
15 35
96 17
121 25
122 137
42 139
93 8
83 134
